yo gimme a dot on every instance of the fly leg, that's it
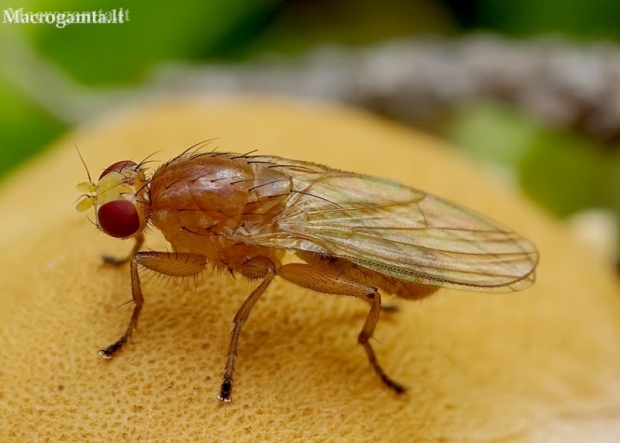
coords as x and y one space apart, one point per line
352 270
331 281
139 241
167 263
253 268
389 307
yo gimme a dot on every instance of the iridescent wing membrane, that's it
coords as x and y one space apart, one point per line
397 230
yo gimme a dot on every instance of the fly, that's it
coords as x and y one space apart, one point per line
354 234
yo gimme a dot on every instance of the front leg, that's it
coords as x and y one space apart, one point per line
167 263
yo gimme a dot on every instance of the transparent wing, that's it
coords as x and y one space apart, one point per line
397 230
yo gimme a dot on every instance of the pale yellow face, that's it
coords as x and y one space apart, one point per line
119 199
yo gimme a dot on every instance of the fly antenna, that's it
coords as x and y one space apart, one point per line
84 163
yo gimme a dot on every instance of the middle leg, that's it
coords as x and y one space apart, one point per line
252 268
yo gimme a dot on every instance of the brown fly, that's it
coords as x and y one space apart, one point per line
354 234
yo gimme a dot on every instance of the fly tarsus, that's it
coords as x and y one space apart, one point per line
397 387
225 390
115 261
109 352
372 358
111 260
389 307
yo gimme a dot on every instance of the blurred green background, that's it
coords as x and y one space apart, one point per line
564 170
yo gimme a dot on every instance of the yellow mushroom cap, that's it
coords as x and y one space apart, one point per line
537 365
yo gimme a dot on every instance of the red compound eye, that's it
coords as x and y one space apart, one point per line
118 167
119 218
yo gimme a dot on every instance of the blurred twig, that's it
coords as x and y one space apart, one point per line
566 84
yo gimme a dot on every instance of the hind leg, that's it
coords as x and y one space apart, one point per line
323 278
